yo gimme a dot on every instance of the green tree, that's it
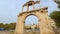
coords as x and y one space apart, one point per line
56 16
12 25
1 25
58 2
6 26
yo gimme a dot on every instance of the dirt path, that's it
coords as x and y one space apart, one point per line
6 32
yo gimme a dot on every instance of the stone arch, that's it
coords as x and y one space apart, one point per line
45 24
43 18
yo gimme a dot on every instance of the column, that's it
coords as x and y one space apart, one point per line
22 8
33 6
20 26
27 8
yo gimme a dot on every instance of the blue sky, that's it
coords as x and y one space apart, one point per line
9 9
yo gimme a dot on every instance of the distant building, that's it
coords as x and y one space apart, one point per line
32 26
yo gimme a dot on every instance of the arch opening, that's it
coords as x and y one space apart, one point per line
31 24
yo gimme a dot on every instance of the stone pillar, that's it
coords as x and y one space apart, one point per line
45 28
20 25
22 8
27 8
33 6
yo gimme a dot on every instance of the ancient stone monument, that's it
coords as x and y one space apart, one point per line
46 24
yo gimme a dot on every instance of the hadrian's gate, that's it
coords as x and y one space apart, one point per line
46 24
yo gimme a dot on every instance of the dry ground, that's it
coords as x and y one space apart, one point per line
11 32
6 32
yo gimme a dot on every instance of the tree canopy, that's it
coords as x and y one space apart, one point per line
58 2
56 16
10 26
